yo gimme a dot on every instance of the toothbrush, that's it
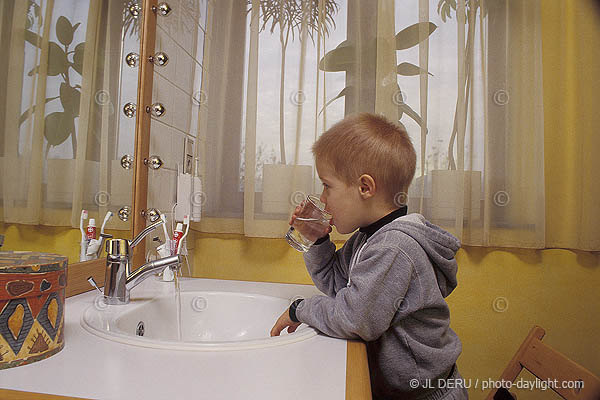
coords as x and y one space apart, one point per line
186 222
108 216
164 250
84 215
84 241
164 218
167 244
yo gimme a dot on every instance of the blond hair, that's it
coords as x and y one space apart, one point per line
369 144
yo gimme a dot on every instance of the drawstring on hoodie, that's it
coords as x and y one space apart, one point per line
355 258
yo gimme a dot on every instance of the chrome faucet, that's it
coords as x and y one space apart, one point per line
119 279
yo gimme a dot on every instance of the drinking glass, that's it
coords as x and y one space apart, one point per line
310 224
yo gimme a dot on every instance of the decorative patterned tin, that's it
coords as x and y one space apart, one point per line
32 306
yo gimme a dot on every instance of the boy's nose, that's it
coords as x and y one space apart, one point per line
324 201
322 198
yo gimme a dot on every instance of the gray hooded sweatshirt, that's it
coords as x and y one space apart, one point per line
389 290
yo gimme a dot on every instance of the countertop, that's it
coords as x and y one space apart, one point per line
92 367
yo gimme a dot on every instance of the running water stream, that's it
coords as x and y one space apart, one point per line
178 304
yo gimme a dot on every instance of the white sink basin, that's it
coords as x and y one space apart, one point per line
210 319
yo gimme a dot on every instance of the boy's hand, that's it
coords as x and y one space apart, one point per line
296 212
283 322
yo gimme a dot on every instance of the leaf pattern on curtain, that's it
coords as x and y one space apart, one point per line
288 16
59 125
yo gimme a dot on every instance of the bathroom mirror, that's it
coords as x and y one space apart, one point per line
69 88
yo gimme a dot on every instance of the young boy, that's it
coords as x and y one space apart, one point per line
387 284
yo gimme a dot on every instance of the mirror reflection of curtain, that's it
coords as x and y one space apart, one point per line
58 122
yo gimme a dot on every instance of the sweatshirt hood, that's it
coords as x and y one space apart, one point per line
440 246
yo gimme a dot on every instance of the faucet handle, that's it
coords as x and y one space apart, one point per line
117 247
92 282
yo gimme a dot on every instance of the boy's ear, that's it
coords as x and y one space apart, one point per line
366 186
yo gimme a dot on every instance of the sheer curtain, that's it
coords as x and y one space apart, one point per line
481 171
59 120
265 98
464 77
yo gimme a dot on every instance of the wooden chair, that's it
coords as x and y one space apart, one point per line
548 365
